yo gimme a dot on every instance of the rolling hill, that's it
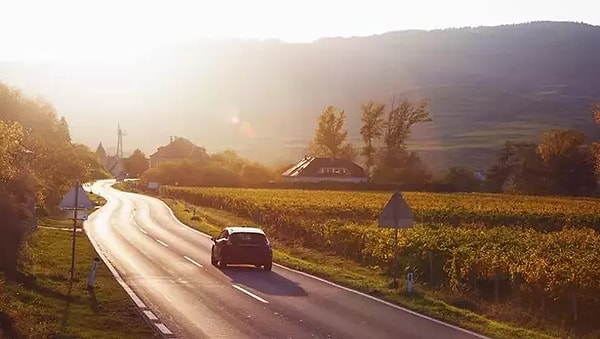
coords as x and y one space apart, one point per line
485 85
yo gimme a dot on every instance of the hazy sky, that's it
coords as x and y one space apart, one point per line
116 29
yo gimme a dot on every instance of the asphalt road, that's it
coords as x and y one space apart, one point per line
168 266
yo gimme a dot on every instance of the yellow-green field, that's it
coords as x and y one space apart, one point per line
540 213
495 247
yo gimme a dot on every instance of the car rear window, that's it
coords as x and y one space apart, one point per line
248 239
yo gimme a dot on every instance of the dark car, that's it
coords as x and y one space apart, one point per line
242 245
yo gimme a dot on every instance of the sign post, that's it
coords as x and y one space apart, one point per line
76 199
396 214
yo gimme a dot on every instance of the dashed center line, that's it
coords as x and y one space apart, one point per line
250 294
150 315
162 243
142 230
163 328
192 261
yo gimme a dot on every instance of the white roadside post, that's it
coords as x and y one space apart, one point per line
396 214
409 282
92 276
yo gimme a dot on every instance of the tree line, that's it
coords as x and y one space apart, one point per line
38 164
565 162
384 131
225 168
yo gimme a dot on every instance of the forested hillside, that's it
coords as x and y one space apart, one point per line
38 164
485 86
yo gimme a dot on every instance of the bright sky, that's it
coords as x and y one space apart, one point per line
81 29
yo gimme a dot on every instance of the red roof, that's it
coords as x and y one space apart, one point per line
180 148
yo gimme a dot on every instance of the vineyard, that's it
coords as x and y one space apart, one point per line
544 251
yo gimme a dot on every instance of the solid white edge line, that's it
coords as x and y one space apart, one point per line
138 302
338 286
164 329
381 301
142 230
192 261
162 243
250 294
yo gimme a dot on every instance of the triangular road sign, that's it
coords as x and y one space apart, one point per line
83 202
396 213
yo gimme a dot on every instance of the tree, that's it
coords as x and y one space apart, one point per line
396 164
136 164
371 130
11 136
330 138
461 179
401 118
570 162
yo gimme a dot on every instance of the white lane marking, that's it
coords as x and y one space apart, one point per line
250 294
163 328
142 230
138 302
382 301
179 222
150 315
192 261
162 243
342 287
331 283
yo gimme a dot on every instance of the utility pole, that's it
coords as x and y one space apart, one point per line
119 142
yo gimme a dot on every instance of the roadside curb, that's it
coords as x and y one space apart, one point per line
160 329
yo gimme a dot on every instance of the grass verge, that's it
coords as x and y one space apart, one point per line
42 303
350 274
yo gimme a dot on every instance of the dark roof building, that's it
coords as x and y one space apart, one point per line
313 169
178 149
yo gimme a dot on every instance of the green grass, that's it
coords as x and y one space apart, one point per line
370 280
100 201
42 303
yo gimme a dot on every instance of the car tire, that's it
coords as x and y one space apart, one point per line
222 263
268 266
213 260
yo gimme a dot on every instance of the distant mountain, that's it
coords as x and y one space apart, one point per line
485 85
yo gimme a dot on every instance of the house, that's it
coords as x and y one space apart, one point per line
111 163
177 149
313 169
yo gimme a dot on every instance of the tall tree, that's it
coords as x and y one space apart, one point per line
331 139
136 163
570 162
401 118
396 164
371 130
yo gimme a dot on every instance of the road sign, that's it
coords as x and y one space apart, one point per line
76 198
81 215
396 213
